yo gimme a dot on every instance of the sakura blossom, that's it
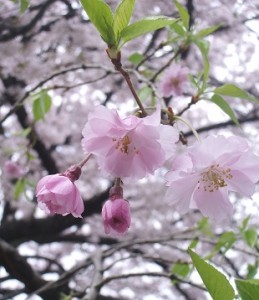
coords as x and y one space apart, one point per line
57 194
13 169
174 81
202 177
116 216
130 147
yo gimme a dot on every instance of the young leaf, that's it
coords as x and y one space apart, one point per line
247 289
144 26
41 105
19 187
101 16
23 5
223 105
207 31
250 236
136 58
181 269
232 90
183 14
122 15
217 284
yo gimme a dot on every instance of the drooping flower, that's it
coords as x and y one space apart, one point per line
130 147
202 177
57 194
13 170
174 81
116 213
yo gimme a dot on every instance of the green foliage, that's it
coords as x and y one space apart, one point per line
122 15
183 14
216 283
136 58
248 289
101 16
114 29
24 4
232 90
181 269
19 187
252 270
250 237
207 31
145 93
224 243
41 105
144 26
223 105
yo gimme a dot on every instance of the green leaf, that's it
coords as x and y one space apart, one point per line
41 105
136 58
24 5
244 224
194 243
252 270
204 49
19 188
250 236
144 26
217 284
122 15
248 289
207 31
223 105
183 14
224 243
101 16
181 269
178 28
145 93
234 91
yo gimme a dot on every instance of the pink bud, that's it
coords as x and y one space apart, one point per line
12 169
116 216
57 194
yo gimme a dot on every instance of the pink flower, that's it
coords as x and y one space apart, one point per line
203 176
13 170
116 216
57 194
129 147
174 81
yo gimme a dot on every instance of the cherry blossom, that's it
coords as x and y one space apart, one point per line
202 177
174 81
58 193
13 170
130 147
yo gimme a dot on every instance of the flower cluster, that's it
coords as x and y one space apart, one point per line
132 147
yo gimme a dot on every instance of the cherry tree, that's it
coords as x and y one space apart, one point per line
129 149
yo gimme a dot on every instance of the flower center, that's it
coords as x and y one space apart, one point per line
214 178
125 145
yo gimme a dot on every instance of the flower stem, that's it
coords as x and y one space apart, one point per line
190 126
84 161
116 61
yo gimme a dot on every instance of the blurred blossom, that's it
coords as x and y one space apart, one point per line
58 193
130 147
13 170
174 81
202 177
116 216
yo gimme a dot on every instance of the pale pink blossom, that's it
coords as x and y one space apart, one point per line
13 170
130 147
57 194
116 216
174 81
202 177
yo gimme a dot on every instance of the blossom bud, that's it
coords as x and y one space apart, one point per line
116 216
57 194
